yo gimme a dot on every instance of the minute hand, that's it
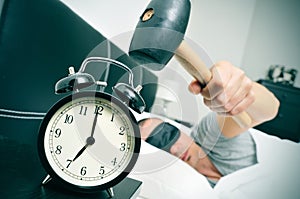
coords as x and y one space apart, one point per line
94 125
89 141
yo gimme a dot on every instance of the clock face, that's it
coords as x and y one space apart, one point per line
89 140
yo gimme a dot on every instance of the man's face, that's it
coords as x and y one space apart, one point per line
187 150
184 148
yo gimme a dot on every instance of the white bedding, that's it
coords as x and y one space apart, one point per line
276 175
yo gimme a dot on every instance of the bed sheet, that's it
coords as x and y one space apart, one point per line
276 175
167 177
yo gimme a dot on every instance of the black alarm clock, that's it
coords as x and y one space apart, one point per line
89 141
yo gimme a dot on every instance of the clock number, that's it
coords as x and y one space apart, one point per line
57 133
112 117
83 110
58 149
101 171
69 119
69 162
83 171
123 146
122 129
98 109
114 161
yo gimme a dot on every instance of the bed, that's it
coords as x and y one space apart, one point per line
276 175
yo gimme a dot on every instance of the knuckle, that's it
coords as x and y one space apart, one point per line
248 84
223 63
251 97
219 100
219 84
228 107
241 72
217 77
236 110
207 102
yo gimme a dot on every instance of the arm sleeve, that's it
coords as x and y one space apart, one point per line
227 154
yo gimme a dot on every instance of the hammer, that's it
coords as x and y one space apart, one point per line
159 35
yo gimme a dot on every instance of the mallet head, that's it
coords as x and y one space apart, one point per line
159 32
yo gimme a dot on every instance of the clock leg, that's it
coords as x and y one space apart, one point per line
110 192
46 180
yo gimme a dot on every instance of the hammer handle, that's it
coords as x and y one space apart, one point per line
193 64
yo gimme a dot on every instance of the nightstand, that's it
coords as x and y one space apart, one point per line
286 124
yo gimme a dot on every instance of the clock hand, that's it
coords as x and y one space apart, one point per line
94 125
80 152
89 141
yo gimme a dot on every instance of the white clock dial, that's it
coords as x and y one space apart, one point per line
90 141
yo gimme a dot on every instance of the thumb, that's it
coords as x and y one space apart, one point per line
194 87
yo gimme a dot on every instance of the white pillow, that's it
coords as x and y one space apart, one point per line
165 176
276 175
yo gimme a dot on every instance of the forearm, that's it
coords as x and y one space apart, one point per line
264 108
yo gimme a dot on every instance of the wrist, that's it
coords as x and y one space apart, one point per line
265 106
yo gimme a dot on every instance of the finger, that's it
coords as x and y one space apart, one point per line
233 96
217 83
239 107
225 96
235 81
241 94
243 105
194 87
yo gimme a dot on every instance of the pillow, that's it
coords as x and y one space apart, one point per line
165 176
276 175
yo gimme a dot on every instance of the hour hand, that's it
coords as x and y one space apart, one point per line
80 152
89 141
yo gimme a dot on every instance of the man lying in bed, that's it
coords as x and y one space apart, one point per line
218 145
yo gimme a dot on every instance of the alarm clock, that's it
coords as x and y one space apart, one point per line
89 140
